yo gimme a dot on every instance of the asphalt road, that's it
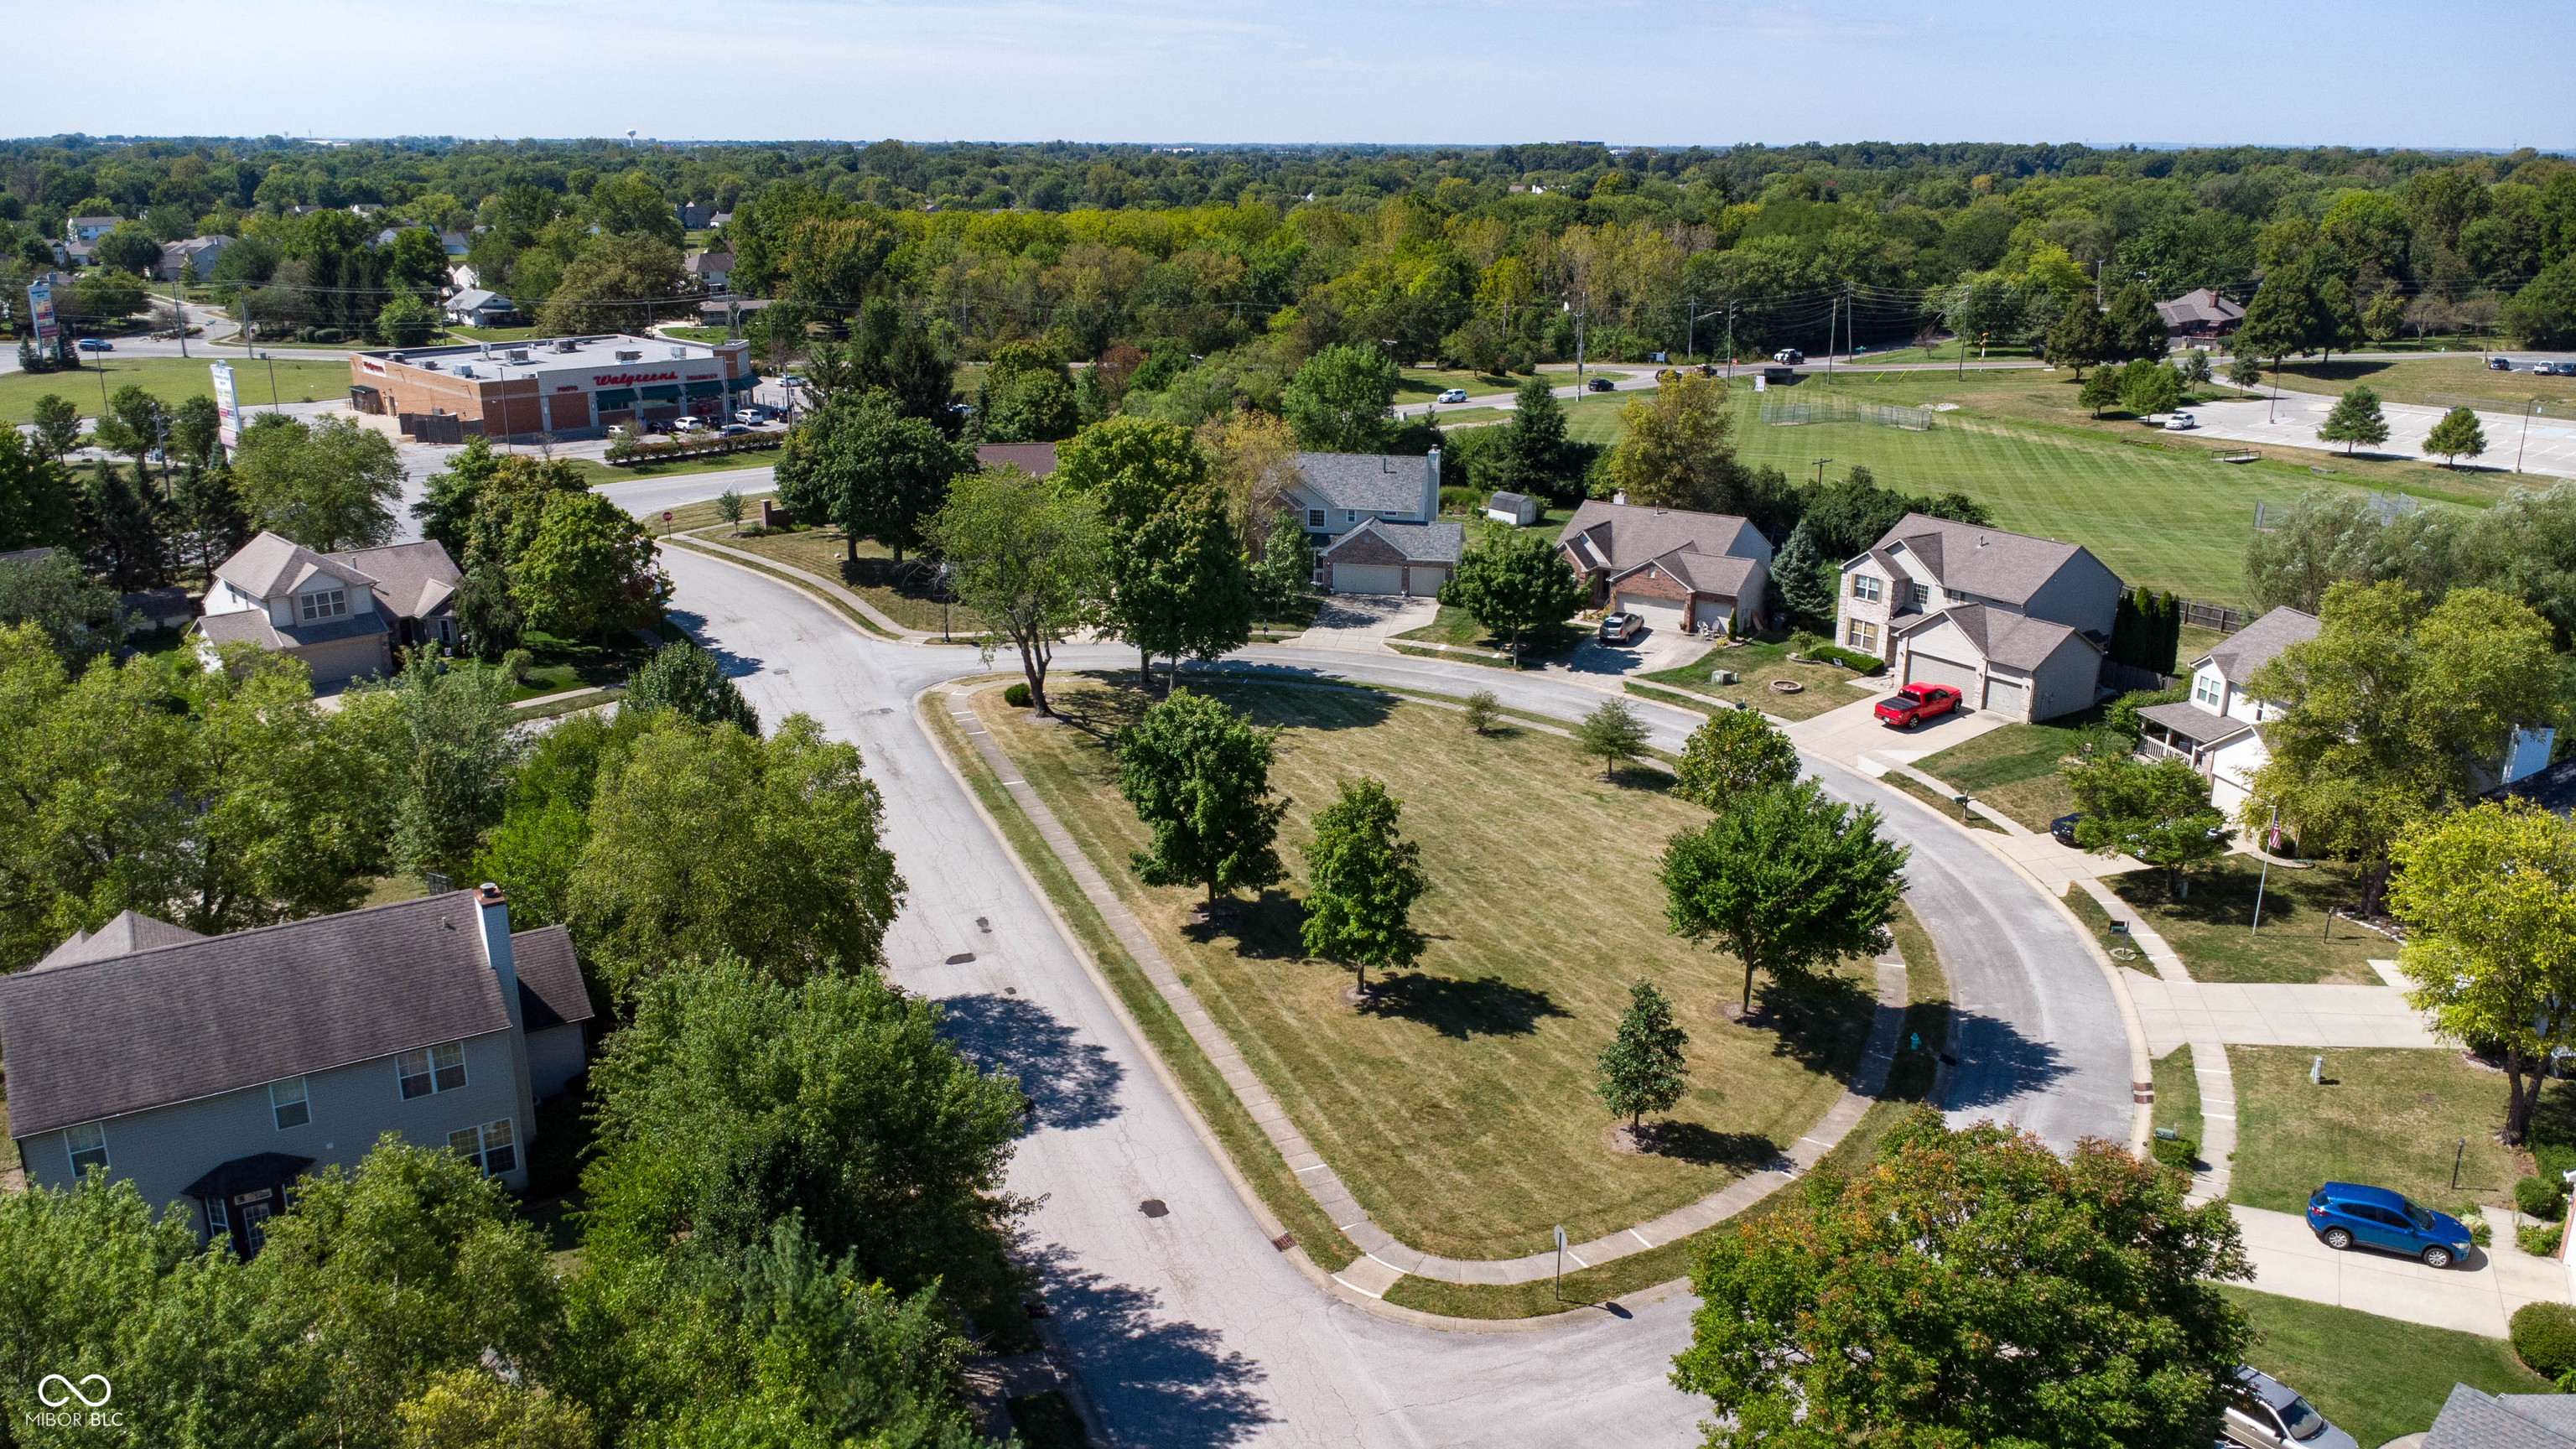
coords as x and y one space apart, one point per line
1189 1329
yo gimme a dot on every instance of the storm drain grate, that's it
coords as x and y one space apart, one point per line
1152 1207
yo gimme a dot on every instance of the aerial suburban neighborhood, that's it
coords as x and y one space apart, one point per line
696 790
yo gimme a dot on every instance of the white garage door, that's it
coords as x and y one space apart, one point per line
1367 579
1925 669
1658 613
1709 614
1427 579
2008 697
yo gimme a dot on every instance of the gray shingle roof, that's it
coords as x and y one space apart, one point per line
128 933
2016 641
1988 562
1507 500
270 567
411 579
1365 482
2194 723
550 989
251 626
2203 305
2250 648
2471 1419
1723 575
1620 536
1418 542
192 1019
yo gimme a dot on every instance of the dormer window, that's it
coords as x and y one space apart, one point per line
2209 693
321 604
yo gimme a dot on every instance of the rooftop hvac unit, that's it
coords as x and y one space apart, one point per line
678 351
630 356
567 345
518 354
464 371
431 365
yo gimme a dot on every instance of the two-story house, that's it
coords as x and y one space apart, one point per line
219 1069
343 614
2014 623
2218 730
1375 521
1673 568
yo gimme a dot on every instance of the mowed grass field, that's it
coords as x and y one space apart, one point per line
171 379
1457 1104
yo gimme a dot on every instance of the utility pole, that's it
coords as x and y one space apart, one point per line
1690 330
1820 470
1730 339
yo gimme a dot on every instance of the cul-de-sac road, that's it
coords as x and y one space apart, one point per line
1190 1329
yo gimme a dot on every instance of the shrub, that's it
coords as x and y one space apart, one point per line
2544 1337
516 664
1850 659
1483 711
2542 1242
2553 1160
2122 714
1017 696
2179 1152
2540 1197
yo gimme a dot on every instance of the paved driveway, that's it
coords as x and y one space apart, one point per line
2477 1297
1847 734
1362 623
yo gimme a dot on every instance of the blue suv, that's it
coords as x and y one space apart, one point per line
2343 1214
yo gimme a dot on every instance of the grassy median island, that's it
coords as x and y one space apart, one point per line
2392 1117
902 592
1458 1104
2376 1378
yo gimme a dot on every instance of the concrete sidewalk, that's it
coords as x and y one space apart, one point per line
1362 623
2477 1297
2266 1014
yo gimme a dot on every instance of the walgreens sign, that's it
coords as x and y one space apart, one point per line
629 379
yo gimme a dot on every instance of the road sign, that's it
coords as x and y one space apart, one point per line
40 312
227 409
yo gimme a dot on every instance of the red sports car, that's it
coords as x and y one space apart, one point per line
1916 703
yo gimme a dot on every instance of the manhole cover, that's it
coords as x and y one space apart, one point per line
961 958
983 925
1152 1207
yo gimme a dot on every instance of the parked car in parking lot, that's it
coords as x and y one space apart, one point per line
2265 1413
1916 703
1453 395
2181 422
96 344
747 415
1620 628
688 425
732 430
2345 1215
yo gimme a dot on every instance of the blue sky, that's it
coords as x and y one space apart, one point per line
2362 72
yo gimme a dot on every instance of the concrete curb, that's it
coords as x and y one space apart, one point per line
2209 1065
808 582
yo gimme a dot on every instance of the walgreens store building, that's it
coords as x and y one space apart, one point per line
571 387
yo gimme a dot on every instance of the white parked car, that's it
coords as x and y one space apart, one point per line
747 415
688 425
2181 423
1620 628
1453 395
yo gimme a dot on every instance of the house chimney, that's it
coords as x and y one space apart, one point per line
1431 487
492 910
1620 498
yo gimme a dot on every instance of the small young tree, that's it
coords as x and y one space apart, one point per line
1735 751
1807 580
1512 582
729 508
2100 391
1614 733
2195 368
1199 776
2150 387
1483 711
690 682
1286 568
2158 812
1027 558
1641 1070
2489 895
2246 371
2456 436
2356 419
2079 338
1786 881
1361 882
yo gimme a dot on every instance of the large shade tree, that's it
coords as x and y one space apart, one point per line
1198 775
1028 558
1786 881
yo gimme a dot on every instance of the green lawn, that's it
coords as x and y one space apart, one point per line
2391 1117
172 379
2376 1378
1825 686
2178 1094
1420 384
1454 625
753 466
1456 1103
899 592
2212 929
1944 805
2014 769
564 664
2408 379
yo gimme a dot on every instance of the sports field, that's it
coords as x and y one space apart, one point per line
2166 519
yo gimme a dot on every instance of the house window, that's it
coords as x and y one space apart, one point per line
2208 691
88 1144
286 1100
439 1068
1861 634
1314 518
1867 588
490 1147
322 604
217 1225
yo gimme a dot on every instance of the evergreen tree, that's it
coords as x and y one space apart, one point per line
1642 1069
2456 436
2137 329
38 508
1362 879
58 428
2101 390
122 528
2080 338
2356 419
1807 580
207 516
